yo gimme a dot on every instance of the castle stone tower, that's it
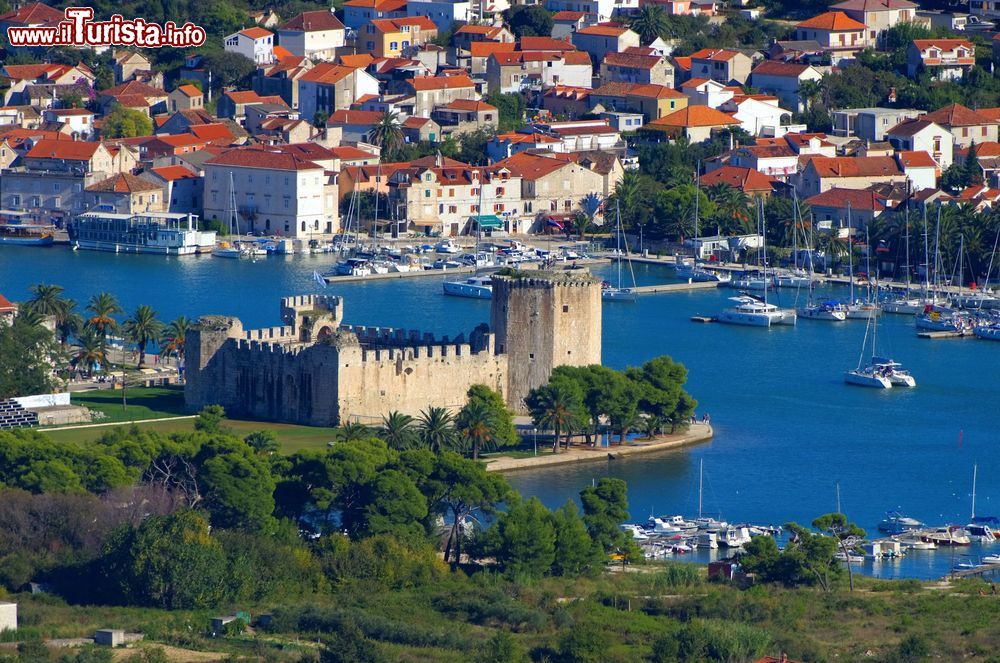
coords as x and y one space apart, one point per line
542 320
203 342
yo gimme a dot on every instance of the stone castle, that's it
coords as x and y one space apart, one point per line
318 371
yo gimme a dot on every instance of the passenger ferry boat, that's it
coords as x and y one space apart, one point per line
163 233
21 236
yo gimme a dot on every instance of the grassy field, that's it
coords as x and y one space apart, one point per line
141 403
292 438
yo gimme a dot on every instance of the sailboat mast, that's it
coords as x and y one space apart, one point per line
762 227
618 235
850 252
697 197
975 468
937 252
927 263
701 484
838 499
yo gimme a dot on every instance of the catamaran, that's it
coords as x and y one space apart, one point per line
753 312
879 372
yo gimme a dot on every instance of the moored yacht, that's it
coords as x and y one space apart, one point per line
698 274
753 312
474 287
832 311
897 523
733 537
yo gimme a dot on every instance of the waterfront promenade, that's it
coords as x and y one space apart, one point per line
698 432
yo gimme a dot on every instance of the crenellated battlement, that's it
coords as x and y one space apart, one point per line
285 334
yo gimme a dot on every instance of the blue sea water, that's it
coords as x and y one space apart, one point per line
788 430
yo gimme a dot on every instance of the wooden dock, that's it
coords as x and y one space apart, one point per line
943 334
983 570
674 287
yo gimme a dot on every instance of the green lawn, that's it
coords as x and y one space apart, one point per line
141 403
292 438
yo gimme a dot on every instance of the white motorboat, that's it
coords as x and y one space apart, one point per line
635 531
707 540
849 557
981 533
948 536
447 246
913 541
353 267
733 537
991 559
443 263
474 287
897 523
831 311
668 525
753 312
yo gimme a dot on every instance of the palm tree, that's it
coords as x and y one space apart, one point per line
142 328
398 431
651 425
46 299
808 92
90 352
102 308
388 133
731 203
554 408
175 335
354 432
651 23
68 321
476 424
437 429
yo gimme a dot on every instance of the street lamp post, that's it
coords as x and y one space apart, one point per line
534 434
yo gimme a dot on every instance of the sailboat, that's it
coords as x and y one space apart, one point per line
905 305
618 293
938 316
979 528
749 310
235 249
693 272
879 372
813 309
855 309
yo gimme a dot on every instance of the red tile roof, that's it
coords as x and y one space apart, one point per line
34 14
174 173
568 16
916 159
545 44
873 5
189 90
257 158
256 33
380 5
833 22
217 131
470 105
694 116
747 179
909 127
425 83
124 183
944 44
354 117
134 88
483 49
6 306
855 166
315 21
602 31
328 73
531 166
632 61
957 115
782 69
859 199
714 54
72 150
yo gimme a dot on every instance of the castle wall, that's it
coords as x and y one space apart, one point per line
545 321
376 382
